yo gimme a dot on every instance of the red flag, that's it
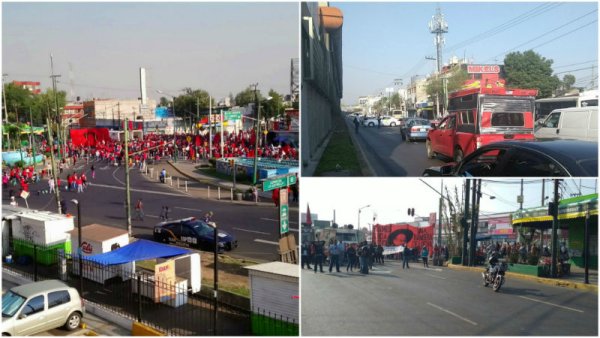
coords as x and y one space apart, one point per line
308 217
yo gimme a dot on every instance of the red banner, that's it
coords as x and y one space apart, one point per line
404 234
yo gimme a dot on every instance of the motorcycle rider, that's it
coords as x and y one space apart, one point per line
493 261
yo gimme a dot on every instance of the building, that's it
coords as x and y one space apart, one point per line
416 94
321 35
32 86
108 113
72 113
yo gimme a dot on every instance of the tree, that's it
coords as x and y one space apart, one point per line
531 71
273 107
186 105
568 82
246 96
454 81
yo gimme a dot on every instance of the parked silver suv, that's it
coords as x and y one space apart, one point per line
36 307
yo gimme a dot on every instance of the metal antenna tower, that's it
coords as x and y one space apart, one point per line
294 79
438 26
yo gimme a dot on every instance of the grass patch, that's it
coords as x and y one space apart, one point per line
240 290
340 150
212 172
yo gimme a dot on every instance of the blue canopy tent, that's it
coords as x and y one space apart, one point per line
137 251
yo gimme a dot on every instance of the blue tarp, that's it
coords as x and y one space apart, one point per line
137 251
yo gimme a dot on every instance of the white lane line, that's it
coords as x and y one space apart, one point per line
181 194
452 313
252 231
434 276
266 242
560 306
182 208
276 220
115 177
152 216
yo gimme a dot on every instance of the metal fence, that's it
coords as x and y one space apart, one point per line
136 295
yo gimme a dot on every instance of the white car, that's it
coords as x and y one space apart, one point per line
386 121
36 307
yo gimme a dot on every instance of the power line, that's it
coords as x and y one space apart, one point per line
545 34
507 25
565 34
576 64
574 70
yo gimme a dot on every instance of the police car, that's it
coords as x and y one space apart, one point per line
191 232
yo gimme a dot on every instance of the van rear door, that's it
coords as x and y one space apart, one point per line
505 118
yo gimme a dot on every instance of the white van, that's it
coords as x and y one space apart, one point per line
570 123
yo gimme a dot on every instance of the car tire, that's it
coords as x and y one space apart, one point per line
371 124
73 321
430 152
458 155
392 124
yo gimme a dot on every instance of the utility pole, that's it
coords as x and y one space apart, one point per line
55 172
32 138
209 126
5 108
465 224
197 115
127 191
256 134
438 261
543 191
555 228
474 220
58 116
438 26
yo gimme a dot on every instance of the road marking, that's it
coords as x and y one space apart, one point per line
138 190
434 276
560 306
276 220
115 177
452 313
266 242
182 208
252 231
152 216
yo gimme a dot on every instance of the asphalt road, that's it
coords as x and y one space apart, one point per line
440 302
388 155
255 226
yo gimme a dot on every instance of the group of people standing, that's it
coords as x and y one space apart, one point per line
359 256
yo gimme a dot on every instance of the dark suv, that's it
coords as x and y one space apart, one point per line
191 232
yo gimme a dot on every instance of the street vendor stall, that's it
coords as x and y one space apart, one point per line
98 239
572 213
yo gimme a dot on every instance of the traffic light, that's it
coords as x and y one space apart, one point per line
411 211
552 208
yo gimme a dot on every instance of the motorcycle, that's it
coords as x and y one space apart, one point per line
495 276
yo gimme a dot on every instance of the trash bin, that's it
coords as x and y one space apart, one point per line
238 196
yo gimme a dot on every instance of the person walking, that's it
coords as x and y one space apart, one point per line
93 170
351 255
318 255
406 257
51 187
255 195
356 124
424 256
139 209
334 256
305 255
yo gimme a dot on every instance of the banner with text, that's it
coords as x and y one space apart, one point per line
400 235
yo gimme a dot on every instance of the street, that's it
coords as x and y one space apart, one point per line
439 301
388 155
255 226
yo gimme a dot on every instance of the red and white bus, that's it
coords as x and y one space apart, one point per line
479 116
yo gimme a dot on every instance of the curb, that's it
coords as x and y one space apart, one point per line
542 280
365 167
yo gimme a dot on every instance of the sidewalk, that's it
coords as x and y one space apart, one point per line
574 280
199 183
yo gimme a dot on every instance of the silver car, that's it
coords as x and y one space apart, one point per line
36 307
416 129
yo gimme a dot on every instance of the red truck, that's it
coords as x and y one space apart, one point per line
480 116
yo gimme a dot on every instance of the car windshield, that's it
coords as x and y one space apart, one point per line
11 303
202 229
507 112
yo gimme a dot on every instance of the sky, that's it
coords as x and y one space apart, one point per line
390 198
99 47
387 41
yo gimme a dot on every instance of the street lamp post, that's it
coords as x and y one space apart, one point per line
79 251
257 136
215 276
359 211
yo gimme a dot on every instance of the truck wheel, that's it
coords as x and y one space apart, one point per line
458 155
430 153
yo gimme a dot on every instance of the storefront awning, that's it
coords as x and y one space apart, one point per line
570 208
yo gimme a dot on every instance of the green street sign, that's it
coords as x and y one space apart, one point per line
279 182
284 222
284 214
232 115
